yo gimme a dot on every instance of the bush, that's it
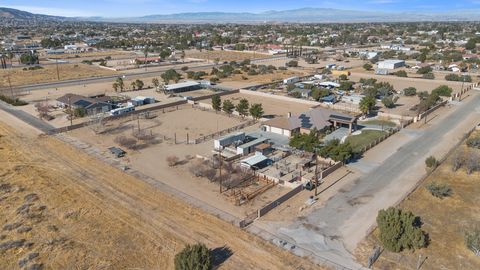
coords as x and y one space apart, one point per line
439 190
428 76
424 70
410 91
474 142
126 142
194 257
443 91
401 73
400 230
472 241
13 101
172 160
367 66
431 162
292 63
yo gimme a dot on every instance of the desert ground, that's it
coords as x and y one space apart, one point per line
67 210
18 76
98 54
223 55
402 83
271 106
445 220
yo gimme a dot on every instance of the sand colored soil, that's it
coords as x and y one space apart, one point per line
18 76
66 210
223 55
445 220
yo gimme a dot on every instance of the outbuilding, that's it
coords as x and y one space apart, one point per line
391 64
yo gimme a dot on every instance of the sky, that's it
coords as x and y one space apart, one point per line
133 8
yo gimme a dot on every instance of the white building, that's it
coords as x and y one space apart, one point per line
390 64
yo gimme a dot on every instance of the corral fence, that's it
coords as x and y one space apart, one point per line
223 132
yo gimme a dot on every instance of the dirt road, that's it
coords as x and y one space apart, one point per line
66 210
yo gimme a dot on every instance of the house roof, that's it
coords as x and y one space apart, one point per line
254 160
318 118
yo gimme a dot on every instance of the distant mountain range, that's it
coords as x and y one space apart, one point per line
23 15
304 15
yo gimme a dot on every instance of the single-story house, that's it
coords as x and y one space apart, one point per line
316 118
390 64
304 93
92 106
183 87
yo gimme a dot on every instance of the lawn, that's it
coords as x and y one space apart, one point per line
444 220
359 142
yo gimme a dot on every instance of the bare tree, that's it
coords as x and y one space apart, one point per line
43 109
458 160
472 161
124 141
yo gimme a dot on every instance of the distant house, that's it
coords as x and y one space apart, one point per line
183 87
390 64
92 106
304 93
318 118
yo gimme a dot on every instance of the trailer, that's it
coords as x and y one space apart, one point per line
124 110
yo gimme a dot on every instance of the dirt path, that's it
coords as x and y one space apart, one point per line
74 212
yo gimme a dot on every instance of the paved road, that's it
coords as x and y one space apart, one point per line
27 118
132 75
345 219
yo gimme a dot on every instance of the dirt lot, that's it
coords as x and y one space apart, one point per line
237 81
402 83
18 76
98 54
72 210
271 106
223 55
445 221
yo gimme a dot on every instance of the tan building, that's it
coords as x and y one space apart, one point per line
318 118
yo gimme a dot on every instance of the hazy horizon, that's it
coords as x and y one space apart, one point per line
135 8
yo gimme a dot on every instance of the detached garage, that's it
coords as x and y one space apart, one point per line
390 64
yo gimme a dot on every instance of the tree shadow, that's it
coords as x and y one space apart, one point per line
220 255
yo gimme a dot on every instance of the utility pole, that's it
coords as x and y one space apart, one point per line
58 72
71 110
316 176
220 169
10 86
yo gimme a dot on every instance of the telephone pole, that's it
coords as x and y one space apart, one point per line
58 72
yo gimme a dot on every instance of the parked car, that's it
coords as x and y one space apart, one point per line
117 152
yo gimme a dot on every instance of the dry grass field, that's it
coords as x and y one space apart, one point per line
223 55
445 221
91 54
63 209
18 76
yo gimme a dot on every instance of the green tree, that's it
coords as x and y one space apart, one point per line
410 91
424 70
121 83
228 106
401 73
443 91
139 84
366 104
217 103
256 111
171 75
308 142
156 83
115 86
133 85
389 101
367 66
400 230
242 107
193 257
336 150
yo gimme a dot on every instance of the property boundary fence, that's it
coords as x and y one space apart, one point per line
390 132
267 208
